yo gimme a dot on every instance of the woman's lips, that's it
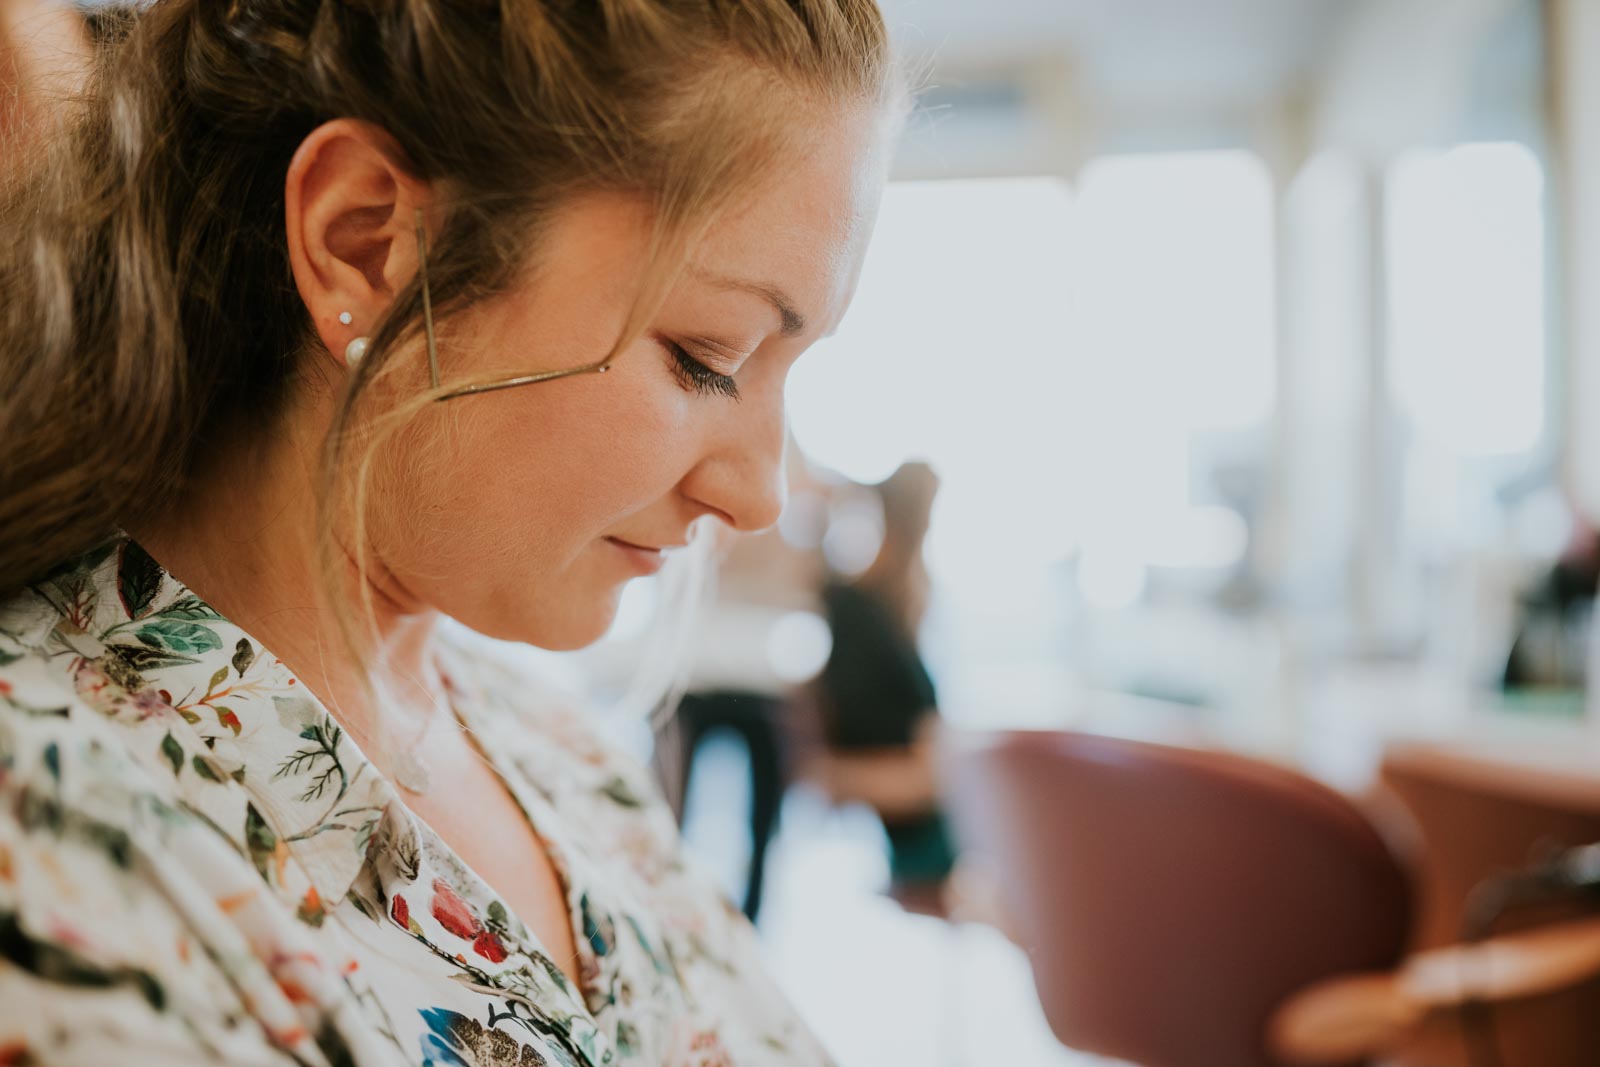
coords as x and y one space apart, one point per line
644 560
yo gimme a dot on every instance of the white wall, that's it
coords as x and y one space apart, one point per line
1398 72
1576 46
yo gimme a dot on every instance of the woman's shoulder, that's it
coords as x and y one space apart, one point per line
46 726
99 960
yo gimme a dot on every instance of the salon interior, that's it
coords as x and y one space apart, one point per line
1175 649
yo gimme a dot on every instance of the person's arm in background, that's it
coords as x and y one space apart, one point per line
884 724
44 53
897 782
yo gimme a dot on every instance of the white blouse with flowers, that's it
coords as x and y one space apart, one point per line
198 866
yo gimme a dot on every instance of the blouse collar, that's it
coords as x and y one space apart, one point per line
240 737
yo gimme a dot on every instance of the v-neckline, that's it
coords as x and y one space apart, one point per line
576 998
467 708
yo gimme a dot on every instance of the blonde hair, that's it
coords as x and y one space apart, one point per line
149 308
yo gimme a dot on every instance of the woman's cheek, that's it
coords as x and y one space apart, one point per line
661 434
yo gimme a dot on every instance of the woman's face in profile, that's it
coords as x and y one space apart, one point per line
506 510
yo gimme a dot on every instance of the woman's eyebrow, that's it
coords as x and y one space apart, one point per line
792 321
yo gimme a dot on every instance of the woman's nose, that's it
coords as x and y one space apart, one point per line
742 473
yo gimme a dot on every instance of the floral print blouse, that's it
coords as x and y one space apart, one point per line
198 866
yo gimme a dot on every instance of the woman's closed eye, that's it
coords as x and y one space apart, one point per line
697 376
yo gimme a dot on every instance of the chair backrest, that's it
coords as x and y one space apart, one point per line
1170 898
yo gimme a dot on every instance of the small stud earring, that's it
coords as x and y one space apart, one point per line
345 318
355 350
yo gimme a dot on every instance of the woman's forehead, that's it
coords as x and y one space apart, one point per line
803 232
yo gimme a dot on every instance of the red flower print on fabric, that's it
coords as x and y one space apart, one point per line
453 913
707 1050
489 947
400 911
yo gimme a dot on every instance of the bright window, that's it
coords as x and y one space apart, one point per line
1062 361
1466 271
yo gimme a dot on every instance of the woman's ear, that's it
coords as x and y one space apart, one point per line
349 210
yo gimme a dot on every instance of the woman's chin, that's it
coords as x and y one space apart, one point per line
575 629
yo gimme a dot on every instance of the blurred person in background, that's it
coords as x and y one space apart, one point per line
1551 648
734 686
876 700
276 513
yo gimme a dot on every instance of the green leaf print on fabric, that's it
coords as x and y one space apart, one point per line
203 769
138 659
33 710
598 932
656 961
178 636
260 840
498 919
39 810
55 962
554 973
618 789
326 736
244 654
190 608
138 579
173 751
627 1038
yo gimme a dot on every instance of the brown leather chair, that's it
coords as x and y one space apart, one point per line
1480 814
1170 899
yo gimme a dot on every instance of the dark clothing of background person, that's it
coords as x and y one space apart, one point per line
1553 633
755 719
876 690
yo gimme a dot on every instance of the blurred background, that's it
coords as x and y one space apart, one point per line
1249 346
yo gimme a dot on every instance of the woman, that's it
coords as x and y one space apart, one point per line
266 319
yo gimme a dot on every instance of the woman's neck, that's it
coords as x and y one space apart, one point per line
243 538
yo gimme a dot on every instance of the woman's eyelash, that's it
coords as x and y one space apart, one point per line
698 376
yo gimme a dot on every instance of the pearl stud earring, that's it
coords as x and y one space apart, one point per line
345 318
355 350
